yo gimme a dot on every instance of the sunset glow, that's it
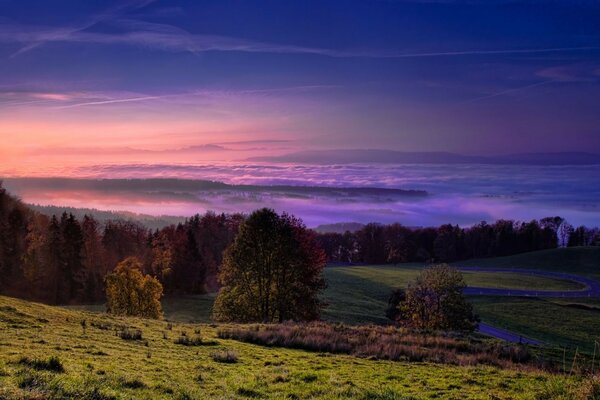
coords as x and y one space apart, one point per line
193 90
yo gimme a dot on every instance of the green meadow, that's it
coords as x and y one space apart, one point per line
54 353
359 294
100 362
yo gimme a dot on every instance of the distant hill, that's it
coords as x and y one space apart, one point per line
189 188
341 227
401 157
149 221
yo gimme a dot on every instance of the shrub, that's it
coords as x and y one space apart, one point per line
52 364
225 356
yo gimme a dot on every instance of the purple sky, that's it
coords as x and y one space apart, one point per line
86 82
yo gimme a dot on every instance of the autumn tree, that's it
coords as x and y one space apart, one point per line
435 301
130 292
271 272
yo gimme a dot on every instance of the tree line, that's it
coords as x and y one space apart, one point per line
395 243
62 260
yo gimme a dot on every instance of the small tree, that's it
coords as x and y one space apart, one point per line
435 301
130 292
271 272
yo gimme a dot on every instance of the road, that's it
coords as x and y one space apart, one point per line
506 335
592 289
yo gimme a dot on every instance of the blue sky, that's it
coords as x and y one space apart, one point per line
474 77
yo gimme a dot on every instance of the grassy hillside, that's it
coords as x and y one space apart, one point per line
574 323
577 260
359 295
97 357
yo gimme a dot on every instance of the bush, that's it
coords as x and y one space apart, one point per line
225 356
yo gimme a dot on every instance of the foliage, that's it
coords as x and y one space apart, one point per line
63 260
393 312
435 302
130 292
271 272
394 243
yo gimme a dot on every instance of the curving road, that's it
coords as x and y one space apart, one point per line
591 289
508 336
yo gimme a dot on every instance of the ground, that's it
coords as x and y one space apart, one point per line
100 364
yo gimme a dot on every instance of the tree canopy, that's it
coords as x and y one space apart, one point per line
435 301
130 292
271 271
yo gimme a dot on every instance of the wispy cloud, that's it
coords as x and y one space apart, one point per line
171 38
507 91
64 33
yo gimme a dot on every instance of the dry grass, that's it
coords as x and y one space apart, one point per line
382 343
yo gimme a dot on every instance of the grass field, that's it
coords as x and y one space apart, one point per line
359 295
99 364
400 276
560 322
576 260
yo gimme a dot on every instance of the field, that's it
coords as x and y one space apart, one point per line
574 323
575 260
359 294
95 360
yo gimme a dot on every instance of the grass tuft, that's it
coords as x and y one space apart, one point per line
130 334
225 356
52 364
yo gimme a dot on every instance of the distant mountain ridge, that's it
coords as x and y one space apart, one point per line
400 157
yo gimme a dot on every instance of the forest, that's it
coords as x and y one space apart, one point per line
64 260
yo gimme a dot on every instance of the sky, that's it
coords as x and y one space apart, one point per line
108 82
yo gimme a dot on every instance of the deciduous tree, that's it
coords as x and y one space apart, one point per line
271 272
435 301
130 292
